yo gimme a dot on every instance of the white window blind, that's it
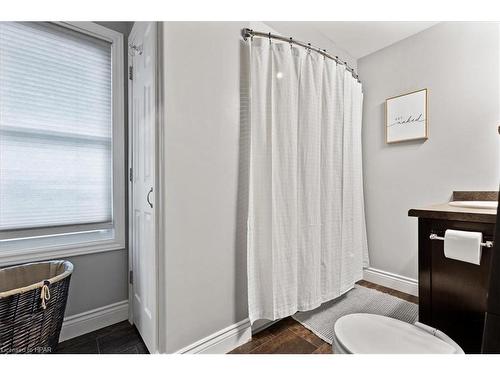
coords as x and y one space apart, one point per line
55 127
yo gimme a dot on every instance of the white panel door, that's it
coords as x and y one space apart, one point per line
142 45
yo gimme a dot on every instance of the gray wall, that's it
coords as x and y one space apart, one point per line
204 223
459 64
305 32
101 279
98 280
206 166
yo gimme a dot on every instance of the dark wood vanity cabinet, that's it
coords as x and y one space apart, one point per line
453 295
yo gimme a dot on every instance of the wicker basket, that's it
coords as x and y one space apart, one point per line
32 303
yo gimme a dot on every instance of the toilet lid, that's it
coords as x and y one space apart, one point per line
377 334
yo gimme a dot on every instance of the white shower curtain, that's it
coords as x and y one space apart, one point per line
306 223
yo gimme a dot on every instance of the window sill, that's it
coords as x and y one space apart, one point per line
11 256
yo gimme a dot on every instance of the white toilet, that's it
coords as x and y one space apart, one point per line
377 334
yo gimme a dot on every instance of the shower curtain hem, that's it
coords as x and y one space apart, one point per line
293 310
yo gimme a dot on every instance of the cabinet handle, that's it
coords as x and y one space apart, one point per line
149 202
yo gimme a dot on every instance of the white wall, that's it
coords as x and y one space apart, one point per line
459 64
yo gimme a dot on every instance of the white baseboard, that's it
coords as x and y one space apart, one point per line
222 341
391 280
88 321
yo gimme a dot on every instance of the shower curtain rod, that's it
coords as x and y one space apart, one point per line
249 33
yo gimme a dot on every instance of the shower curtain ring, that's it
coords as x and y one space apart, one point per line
269 38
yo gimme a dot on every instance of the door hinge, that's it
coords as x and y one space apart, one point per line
130 175
131 72
131 277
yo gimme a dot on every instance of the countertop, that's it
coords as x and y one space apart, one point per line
444 211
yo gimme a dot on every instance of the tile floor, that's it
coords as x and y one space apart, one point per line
120 338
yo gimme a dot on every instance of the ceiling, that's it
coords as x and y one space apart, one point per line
361 38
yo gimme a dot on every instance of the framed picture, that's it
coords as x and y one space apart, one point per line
406 117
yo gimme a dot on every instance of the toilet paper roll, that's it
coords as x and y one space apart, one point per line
463 246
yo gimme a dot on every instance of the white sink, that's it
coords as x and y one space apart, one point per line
488 205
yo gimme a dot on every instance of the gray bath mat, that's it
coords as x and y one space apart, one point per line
358 300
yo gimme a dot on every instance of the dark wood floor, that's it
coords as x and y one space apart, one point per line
289 337
284 337
392 292
120 338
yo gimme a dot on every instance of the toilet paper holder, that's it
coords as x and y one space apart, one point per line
434 236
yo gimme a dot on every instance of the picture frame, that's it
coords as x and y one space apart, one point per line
406 117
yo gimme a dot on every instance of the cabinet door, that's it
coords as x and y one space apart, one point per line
459 289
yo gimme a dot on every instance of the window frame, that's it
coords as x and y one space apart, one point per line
55 246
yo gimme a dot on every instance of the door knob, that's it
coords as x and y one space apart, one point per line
149 202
